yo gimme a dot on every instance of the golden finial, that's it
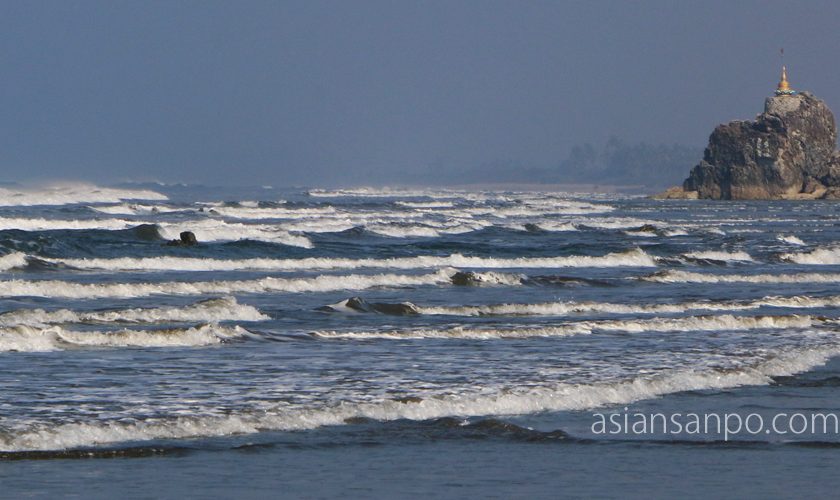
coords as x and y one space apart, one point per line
784 87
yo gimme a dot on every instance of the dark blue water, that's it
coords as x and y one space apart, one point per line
406 343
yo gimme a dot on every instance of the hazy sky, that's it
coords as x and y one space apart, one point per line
283 93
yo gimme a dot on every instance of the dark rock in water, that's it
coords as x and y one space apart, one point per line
465 278
788 152
471 278
647 228
34 264
357 304
188 239
533 228
147 232
400 309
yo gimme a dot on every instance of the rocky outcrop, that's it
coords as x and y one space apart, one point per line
676 193
788 152
187 239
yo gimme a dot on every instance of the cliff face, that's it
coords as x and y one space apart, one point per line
786 153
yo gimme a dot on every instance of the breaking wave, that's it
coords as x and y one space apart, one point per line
793 240
212 310
138 209
564 308
58 224
633 258
72 194
323 283
515 401
14 260
205 230
821 256
691 277
216 230
689 324
23 338
720 256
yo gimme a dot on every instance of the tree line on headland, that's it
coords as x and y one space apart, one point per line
616 163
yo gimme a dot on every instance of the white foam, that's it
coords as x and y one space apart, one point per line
517 401
691 277
632 258
137 209
426 204
824 256
72 193
793 240
204 229
23 338
496 278
323 283
689 324
40 224
565 308
256 213
554 226
738 256
212 310
216 230
14 260
371 192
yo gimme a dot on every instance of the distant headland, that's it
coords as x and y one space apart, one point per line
786 153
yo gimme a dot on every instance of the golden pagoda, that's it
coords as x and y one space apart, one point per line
784 87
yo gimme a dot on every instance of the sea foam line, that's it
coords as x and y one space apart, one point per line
692 277
212 310
824 256
525 400
73 193
23 338
689 324
571 307
323 283
632 258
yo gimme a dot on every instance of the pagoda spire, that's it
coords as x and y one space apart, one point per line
784 87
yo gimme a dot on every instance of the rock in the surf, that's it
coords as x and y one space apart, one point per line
187 239
787 152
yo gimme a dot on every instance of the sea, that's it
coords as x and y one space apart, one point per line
405 343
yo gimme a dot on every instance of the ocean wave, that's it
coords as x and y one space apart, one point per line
257 213
631 258
672 276
138 209
14 260
211 310
720 255
571 307
371 192
793 240
515 401
204 229
40 224
71 194
323 283
690 324
24 338
216 230
823 256
549 225
425 204
423 230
